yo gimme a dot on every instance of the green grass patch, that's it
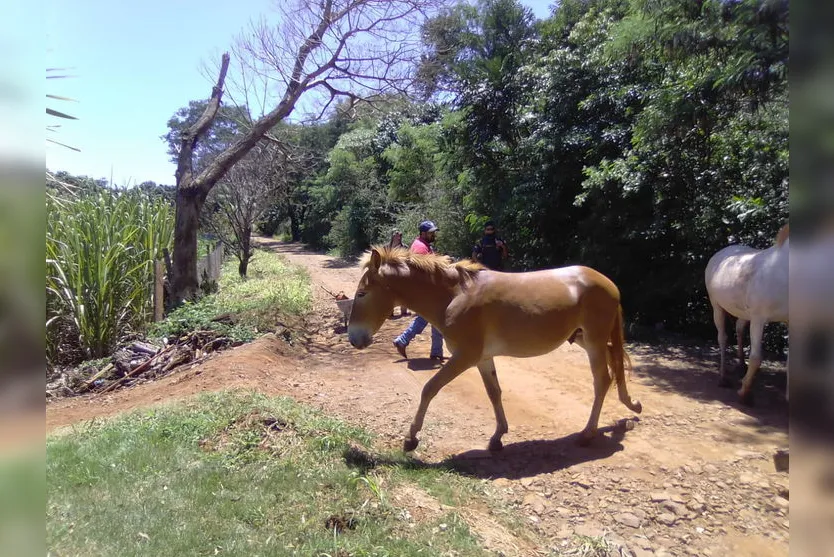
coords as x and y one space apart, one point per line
22 500
273 288
239 473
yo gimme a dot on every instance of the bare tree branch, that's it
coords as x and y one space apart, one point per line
185 161
318 50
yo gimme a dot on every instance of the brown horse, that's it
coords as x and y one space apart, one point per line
483 314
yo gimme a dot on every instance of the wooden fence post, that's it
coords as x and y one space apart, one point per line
158 290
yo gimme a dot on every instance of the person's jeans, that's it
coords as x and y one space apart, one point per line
416 327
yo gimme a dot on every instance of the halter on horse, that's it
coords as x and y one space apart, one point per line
483 314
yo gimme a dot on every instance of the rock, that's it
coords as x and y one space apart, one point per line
628 519
675 508
780 502
640 552
582 482
781 460
666 518
526 482
710 468
589 530
695 506
564 533
658 497
535 502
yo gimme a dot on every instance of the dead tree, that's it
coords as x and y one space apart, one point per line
320 50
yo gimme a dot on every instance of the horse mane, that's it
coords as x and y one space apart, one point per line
431 264
782 236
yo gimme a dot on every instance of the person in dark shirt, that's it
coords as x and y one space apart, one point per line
490 250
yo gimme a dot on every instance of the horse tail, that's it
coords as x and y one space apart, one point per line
619 361
617 355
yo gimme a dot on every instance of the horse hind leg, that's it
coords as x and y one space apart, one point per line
741 324
598 358
493 389
745 393
719 316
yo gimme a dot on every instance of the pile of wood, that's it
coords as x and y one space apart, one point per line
137 362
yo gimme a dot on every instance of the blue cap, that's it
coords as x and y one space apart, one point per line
427 226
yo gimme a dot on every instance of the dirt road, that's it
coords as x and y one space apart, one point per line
694 477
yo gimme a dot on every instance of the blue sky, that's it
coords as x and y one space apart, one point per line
137 63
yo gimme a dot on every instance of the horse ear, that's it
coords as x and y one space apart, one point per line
376 260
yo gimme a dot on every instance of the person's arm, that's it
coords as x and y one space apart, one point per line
502 247
476 252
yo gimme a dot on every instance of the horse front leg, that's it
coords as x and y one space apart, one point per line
493 389
745 393
451 369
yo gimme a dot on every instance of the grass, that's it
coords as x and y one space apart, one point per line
272 289
238 473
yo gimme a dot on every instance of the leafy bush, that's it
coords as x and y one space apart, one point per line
247 305
100 252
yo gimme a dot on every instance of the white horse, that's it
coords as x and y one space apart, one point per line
751 285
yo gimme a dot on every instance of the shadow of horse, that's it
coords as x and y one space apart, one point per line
340 263
698 380
422 364
518 460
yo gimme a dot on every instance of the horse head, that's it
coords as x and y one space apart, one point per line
372 303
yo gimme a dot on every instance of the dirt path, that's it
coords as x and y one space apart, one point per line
694 477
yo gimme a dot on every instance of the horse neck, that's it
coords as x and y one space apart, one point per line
421 293
782 250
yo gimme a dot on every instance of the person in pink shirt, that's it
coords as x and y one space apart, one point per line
397 242
422 244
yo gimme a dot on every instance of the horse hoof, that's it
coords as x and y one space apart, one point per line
410 444
638 407
495 445
584 440
725 383
746 399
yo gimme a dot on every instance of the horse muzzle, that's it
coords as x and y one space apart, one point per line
359 338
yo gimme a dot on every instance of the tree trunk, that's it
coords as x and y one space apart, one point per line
192 190
185 282
295 224
245 253
243 266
